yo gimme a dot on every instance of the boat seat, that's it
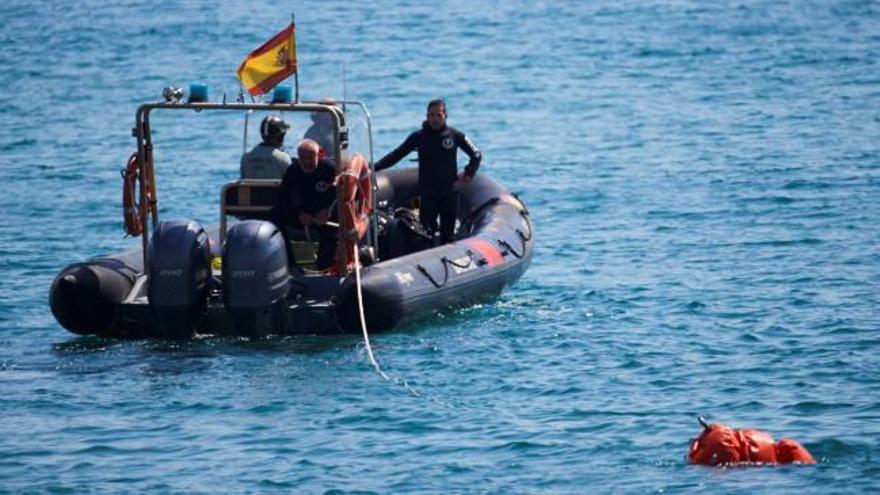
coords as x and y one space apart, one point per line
249 198
254 199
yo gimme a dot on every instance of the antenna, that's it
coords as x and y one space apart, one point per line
344 87
296 73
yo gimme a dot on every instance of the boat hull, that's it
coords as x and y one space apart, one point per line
108 296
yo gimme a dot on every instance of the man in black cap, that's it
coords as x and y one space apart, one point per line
267 160
437 146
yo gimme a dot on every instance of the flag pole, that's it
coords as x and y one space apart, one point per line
295 74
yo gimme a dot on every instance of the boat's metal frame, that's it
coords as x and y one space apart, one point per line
148 202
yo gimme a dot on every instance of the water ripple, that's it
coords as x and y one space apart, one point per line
703 179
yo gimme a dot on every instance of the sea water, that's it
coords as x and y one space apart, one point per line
704 181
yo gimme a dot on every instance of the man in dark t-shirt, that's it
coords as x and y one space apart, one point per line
439 179
307 197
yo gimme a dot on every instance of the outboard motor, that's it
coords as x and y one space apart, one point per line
255 277
179 273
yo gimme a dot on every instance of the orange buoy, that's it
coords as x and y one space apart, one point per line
720 445
788 451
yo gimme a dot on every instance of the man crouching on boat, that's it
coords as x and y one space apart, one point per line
306 198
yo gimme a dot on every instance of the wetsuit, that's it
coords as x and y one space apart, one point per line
310 193
438 171
322 132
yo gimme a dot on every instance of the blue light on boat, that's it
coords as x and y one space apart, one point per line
281 94
198 92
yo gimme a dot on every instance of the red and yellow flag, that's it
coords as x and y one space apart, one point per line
269 64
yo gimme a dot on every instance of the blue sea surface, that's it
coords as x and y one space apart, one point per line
704 178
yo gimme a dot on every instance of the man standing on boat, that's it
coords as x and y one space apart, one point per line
439 179
306 197
267 160
323 131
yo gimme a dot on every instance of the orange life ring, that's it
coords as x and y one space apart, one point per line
133 218
354 192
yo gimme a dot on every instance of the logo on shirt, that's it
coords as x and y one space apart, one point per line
321 186
447 143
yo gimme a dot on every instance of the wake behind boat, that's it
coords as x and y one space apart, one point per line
245 276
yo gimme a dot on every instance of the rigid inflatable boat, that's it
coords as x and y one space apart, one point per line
246 277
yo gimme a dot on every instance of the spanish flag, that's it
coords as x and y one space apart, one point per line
269 64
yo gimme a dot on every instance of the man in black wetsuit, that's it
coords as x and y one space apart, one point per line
306 199
439 180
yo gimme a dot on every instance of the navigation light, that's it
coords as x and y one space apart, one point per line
198 93
281 94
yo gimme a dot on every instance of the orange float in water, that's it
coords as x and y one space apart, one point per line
722 445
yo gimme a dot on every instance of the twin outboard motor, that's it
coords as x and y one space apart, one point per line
179 276
255 277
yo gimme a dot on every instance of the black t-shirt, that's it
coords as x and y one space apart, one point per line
302 192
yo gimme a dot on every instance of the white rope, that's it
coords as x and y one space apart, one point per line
360 299
357 278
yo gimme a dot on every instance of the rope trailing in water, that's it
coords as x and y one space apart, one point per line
360 299
360 296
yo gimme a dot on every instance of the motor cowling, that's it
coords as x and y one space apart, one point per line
179 258
255 277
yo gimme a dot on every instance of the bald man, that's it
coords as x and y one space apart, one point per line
306 199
